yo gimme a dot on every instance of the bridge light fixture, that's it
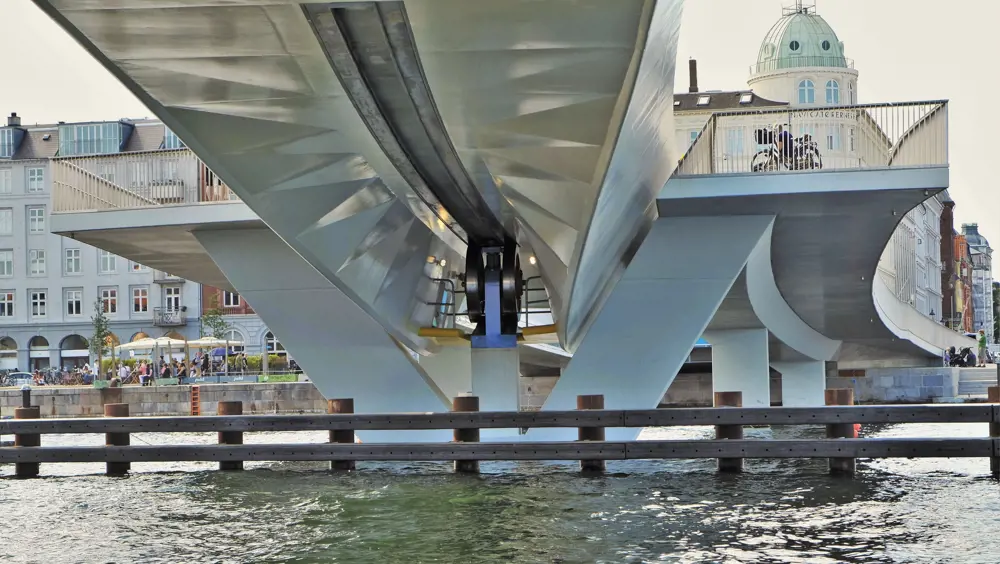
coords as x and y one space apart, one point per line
532 259
443 262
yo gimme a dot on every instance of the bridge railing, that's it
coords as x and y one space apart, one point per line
866 136
134 180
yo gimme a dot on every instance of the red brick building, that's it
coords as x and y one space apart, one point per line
230 303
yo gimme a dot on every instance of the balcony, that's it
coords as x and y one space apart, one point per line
161 277
857 137
163 317
800 61
134 180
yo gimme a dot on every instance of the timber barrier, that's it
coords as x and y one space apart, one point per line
842 445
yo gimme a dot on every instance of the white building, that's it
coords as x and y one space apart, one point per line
982 279
801 65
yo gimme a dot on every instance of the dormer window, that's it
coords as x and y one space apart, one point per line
825 45
172 141
6 143
746 98
677 103
704 100
794 45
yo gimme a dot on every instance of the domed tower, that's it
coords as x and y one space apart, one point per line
802 60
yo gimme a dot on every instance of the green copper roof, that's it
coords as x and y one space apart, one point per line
801 38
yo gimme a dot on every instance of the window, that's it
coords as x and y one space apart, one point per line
38 303
236 337
833 135
832 92
825 45
36 262
73 264
172 141
850 134
677 103
7 303
6 221
140 299
90 138
74 302
136 267
5 183
694 135
106 170
109 300
746 98
108 262
36 180
704 100
172 298
7 263
850 93
794 45
734 142
273 345
807 92
230 299
36 220
6 143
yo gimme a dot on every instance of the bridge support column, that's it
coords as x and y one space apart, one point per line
739 364
802 383
494 379
450 369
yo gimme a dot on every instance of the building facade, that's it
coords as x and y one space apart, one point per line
801 65
981 255
50 285
245 326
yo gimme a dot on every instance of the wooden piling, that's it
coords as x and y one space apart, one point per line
729 399
344 406
591 433
466 404
841 396
27 469
994 397
117 439
230 437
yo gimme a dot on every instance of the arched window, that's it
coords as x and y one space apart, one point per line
236 338
832 92
807 92
273 345
850 93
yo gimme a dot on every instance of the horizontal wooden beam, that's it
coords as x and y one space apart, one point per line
624 450
976 413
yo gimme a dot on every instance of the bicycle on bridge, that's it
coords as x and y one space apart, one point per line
803 153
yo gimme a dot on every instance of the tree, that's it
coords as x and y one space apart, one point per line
213 322
102 334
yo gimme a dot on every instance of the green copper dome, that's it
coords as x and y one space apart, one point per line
801 38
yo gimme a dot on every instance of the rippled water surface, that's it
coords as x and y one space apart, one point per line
672 511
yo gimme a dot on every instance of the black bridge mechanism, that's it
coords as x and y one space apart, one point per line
494 286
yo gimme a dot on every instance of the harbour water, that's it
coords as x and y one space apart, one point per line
924 510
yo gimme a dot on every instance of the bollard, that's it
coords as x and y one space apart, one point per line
230 437
466 403
27 469
591 433
732 432
994 397
116 439
840 396
345 436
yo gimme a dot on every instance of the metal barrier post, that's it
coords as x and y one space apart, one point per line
841 396
466 404
345 406
994 397
732 432
591 433
230 437
116 439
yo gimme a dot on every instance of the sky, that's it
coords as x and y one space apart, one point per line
904 50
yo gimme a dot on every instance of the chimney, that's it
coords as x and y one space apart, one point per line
693 71
13 120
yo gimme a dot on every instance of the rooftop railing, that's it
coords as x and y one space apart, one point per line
868 136
799 61
134 180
